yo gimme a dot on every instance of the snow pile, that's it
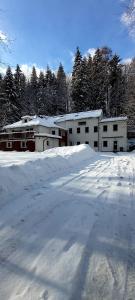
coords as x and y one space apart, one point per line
18 171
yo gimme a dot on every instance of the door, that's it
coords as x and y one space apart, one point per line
115 146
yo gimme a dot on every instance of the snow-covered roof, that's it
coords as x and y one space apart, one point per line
79 115
47 121
115 119
34 121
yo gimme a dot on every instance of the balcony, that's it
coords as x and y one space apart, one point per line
17 135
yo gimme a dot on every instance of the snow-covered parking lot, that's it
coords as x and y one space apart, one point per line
67 225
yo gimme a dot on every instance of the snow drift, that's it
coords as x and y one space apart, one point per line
20 170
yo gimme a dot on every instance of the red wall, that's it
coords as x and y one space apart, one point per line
16 146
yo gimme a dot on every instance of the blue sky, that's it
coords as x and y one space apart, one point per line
48 31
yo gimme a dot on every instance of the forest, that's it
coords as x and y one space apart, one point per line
98 82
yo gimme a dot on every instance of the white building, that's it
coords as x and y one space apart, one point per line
40 133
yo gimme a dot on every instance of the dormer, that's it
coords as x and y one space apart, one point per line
26 119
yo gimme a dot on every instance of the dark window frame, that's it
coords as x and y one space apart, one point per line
78 130
95 128
105 128
115 127
87 129
82 123
70 130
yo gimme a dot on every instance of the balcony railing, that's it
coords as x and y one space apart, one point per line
17 135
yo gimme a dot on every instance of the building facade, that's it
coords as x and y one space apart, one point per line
34 133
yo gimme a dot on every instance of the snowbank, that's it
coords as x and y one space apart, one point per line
20 170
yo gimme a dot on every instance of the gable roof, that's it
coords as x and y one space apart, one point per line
48 121
79 115
34 121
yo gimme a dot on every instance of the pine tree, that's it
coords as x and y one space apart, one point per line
50 92
130 92
19 88
117 87
89 83
100 80
1 102
41 94
77 82
11 107
34 91
61 91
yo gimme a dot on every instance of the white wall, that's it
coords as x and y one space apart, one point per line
41 143
82 137
120 135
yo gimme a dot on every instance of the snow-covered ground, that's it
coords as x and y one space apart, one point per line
67 225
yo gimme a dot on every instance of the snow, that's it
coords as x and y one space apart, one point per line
67 225
52 121
114 119
35 121
79 115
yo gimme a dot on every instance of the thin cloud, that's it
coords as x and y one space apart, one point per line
128 18
3 38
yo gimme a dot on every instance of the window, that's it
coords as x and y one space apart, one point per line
70 130
86 129
23 144
81 123
70 143
53 132
115 127
9 144
121 149
47 143
86 142
78 143
95 144
105 144
59 132
78 129
95 129
105 128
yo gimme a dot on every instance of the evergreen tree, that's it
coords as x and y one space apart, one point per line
19 88
41 94
77 82
61 91
129 108
89 84
34 91
117 87
100 81
10 105
50 92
